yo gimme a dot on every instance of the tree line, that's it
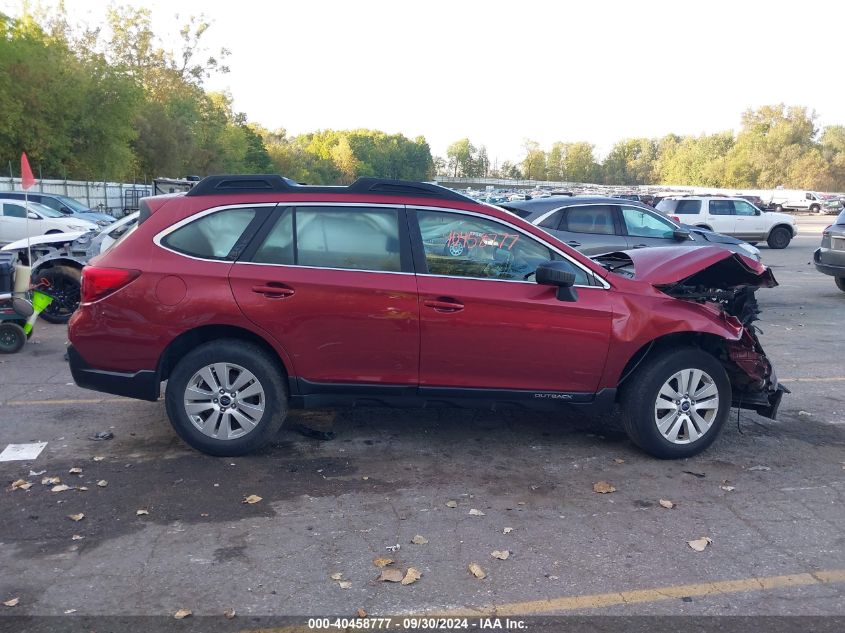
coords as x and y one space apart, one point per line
114 104
776 145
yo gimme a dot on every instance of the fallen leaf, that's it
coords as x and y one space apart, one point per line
13 602
59 488
50 481
344 584
411 576
382 562
229 614
76 517
476 513
98 458
69 611
667 504
365 477
393 548
141 512
475 570
507 530
251 499
602 487
82 488
419 540
33 473
391 575
20 484
75 471
804 414
181 614
619 461
728 488
102 483
699 544
76 537
503 555
337 576
451 504
361 613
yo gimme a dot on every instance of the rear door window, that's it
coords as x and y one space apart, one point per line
688 207
596 218
721 207
553 221
14 211
641 223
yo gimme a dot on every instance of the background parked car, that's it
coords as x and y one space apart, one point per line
595 225
58 258
14 224
830 257
732 216
63 204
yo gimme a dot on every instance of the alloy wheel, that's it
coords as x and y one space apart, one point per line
224 401
686 406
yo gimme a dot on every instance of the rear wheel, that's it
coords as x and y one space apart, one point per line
779 208
779 237
65 284
840 283
815 208
675 404
226 397
12 338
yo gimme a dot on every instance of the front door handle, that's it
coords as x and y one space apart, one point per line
574 244
273 290
444 304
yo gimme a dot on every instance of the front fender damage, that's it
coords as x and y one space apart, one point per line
731 284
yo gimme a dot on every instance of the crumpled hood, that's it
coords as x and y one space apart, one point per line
53 238
711 265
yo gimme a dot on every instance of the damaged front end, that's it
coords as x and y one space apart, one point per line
727 281
731 283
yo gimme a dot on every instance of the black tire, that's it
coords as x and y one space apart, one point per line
815 208
640 394
253 359
840 283
779 237
12 338
779 208
65 288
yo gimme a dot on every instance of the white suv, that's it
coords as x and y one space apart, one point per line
732 216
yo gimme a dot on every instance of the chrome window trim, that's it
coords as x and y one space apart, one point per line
551 247
158 237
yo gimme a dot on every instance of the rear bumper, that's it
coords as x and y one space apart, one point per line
141 385
828 268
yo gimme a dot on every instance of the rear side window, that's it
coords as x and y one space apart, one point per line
352 238
721 207
593 219
552 221
212 236
687 207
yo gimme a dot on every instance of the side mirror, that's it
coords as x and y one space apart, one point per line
680 234
33 216
66 211
560 274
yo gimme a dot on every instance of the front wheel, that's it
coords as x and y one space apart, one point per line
779 237
815 208
675 404
840 283
226 398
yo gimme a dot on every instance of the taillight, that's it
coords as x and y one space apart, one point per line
101 282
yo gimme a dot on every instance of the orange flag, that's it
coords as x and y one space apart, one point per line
27 179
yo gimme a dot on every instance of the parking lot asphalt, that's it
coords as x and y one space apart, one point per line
769 495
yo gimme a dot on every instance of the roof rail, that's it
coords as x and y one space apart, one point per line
273 183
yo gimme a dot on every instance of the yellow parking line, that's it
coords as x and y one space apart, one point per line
595 601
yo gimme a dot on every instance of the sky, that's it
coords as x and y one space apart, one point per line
502 72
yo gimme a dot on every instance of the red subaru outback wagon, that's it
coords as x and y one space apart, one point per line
252 295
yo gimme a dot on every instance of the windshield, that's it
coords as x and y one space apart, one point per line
73 205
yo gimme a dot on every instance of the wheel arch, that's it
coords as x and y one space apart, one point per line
57 261
713 344
187 341
788 227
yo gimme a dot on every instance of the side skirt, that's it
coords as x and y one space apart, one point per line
310 395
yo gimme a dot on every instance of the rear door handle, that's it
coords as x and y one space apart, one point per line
573 243
444 304
273 290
